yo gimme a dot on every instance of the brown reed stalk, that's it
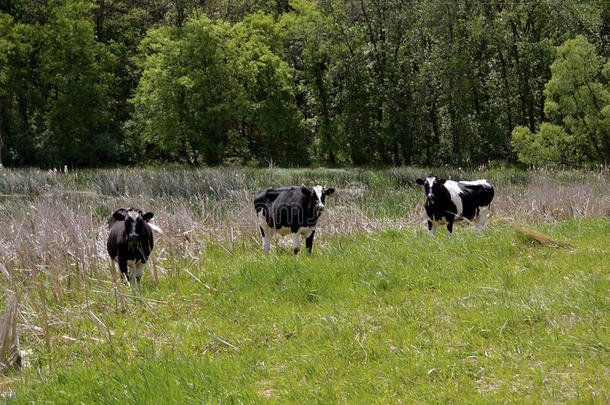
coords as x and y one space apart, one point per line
117 292
44 317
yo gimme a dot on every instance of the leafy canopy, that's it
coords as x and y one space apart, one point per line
578 106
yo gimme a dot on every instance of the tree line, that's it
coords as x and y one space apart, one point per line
362 82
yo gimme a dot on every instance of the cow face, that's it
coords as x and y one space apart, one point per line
134 221
318 195
432 186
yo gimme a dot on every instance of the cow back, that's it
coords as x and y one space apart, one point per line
474 195
293 209
264 199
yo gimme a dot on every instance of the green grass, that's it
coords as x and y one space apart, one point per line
373 318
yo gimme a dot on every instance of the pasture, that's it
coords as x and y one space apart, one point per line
379 313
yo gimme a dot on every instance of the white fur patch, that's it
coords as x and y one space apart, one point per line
296 241
480 182
133 214
263 224
318 191
430 181
454 192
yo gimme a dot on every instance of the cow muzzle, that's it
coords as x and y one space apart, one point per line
430 198
320 208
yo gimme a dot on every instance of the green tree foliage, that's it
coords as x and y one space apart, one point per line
6 50
74 121
182 104
578 97
267 120
360 82
578 102
211 91
59 87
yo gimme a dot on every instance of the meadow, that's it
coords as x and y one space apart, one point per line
379 313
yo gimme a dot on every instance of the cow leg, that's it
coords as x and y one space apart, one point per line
309 241
138 271
449 228
483 214
266 240
124 272
296 242
133 271
266 235
431 228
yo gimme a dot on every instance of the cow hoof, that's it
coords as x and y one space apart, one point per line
296 251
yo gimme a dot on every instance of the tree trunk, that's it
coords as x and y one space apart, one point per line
323 95
2 123
180 8
436 133
506 92
99 21
455 136
1 140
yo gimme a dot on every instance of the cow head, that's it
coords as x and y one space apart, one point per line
134 221
432 186
318 197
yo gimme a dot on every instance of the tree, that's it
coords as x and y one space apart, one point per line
78 78
6 48
424 82
211 91
58 88
267 116
578 103
183 100
578 97
550 146
308 48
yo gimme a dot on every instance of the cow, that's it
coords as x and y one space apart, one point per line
293 210
448 201
130 241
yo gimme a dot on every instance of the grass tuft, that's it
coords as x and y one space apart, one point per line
538 238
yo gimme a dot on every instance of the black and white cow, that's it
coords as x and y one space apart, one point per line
130 241
290 210
448 201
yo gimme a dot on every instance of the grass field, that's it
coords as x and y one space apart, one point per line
379 313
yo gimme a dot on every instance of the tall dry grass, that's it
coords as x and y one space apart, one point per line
53 226
56 221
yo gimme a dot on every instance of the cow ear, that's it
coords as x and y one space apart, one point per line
306 191
329 191
119 215
148 216
442 182
419 181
